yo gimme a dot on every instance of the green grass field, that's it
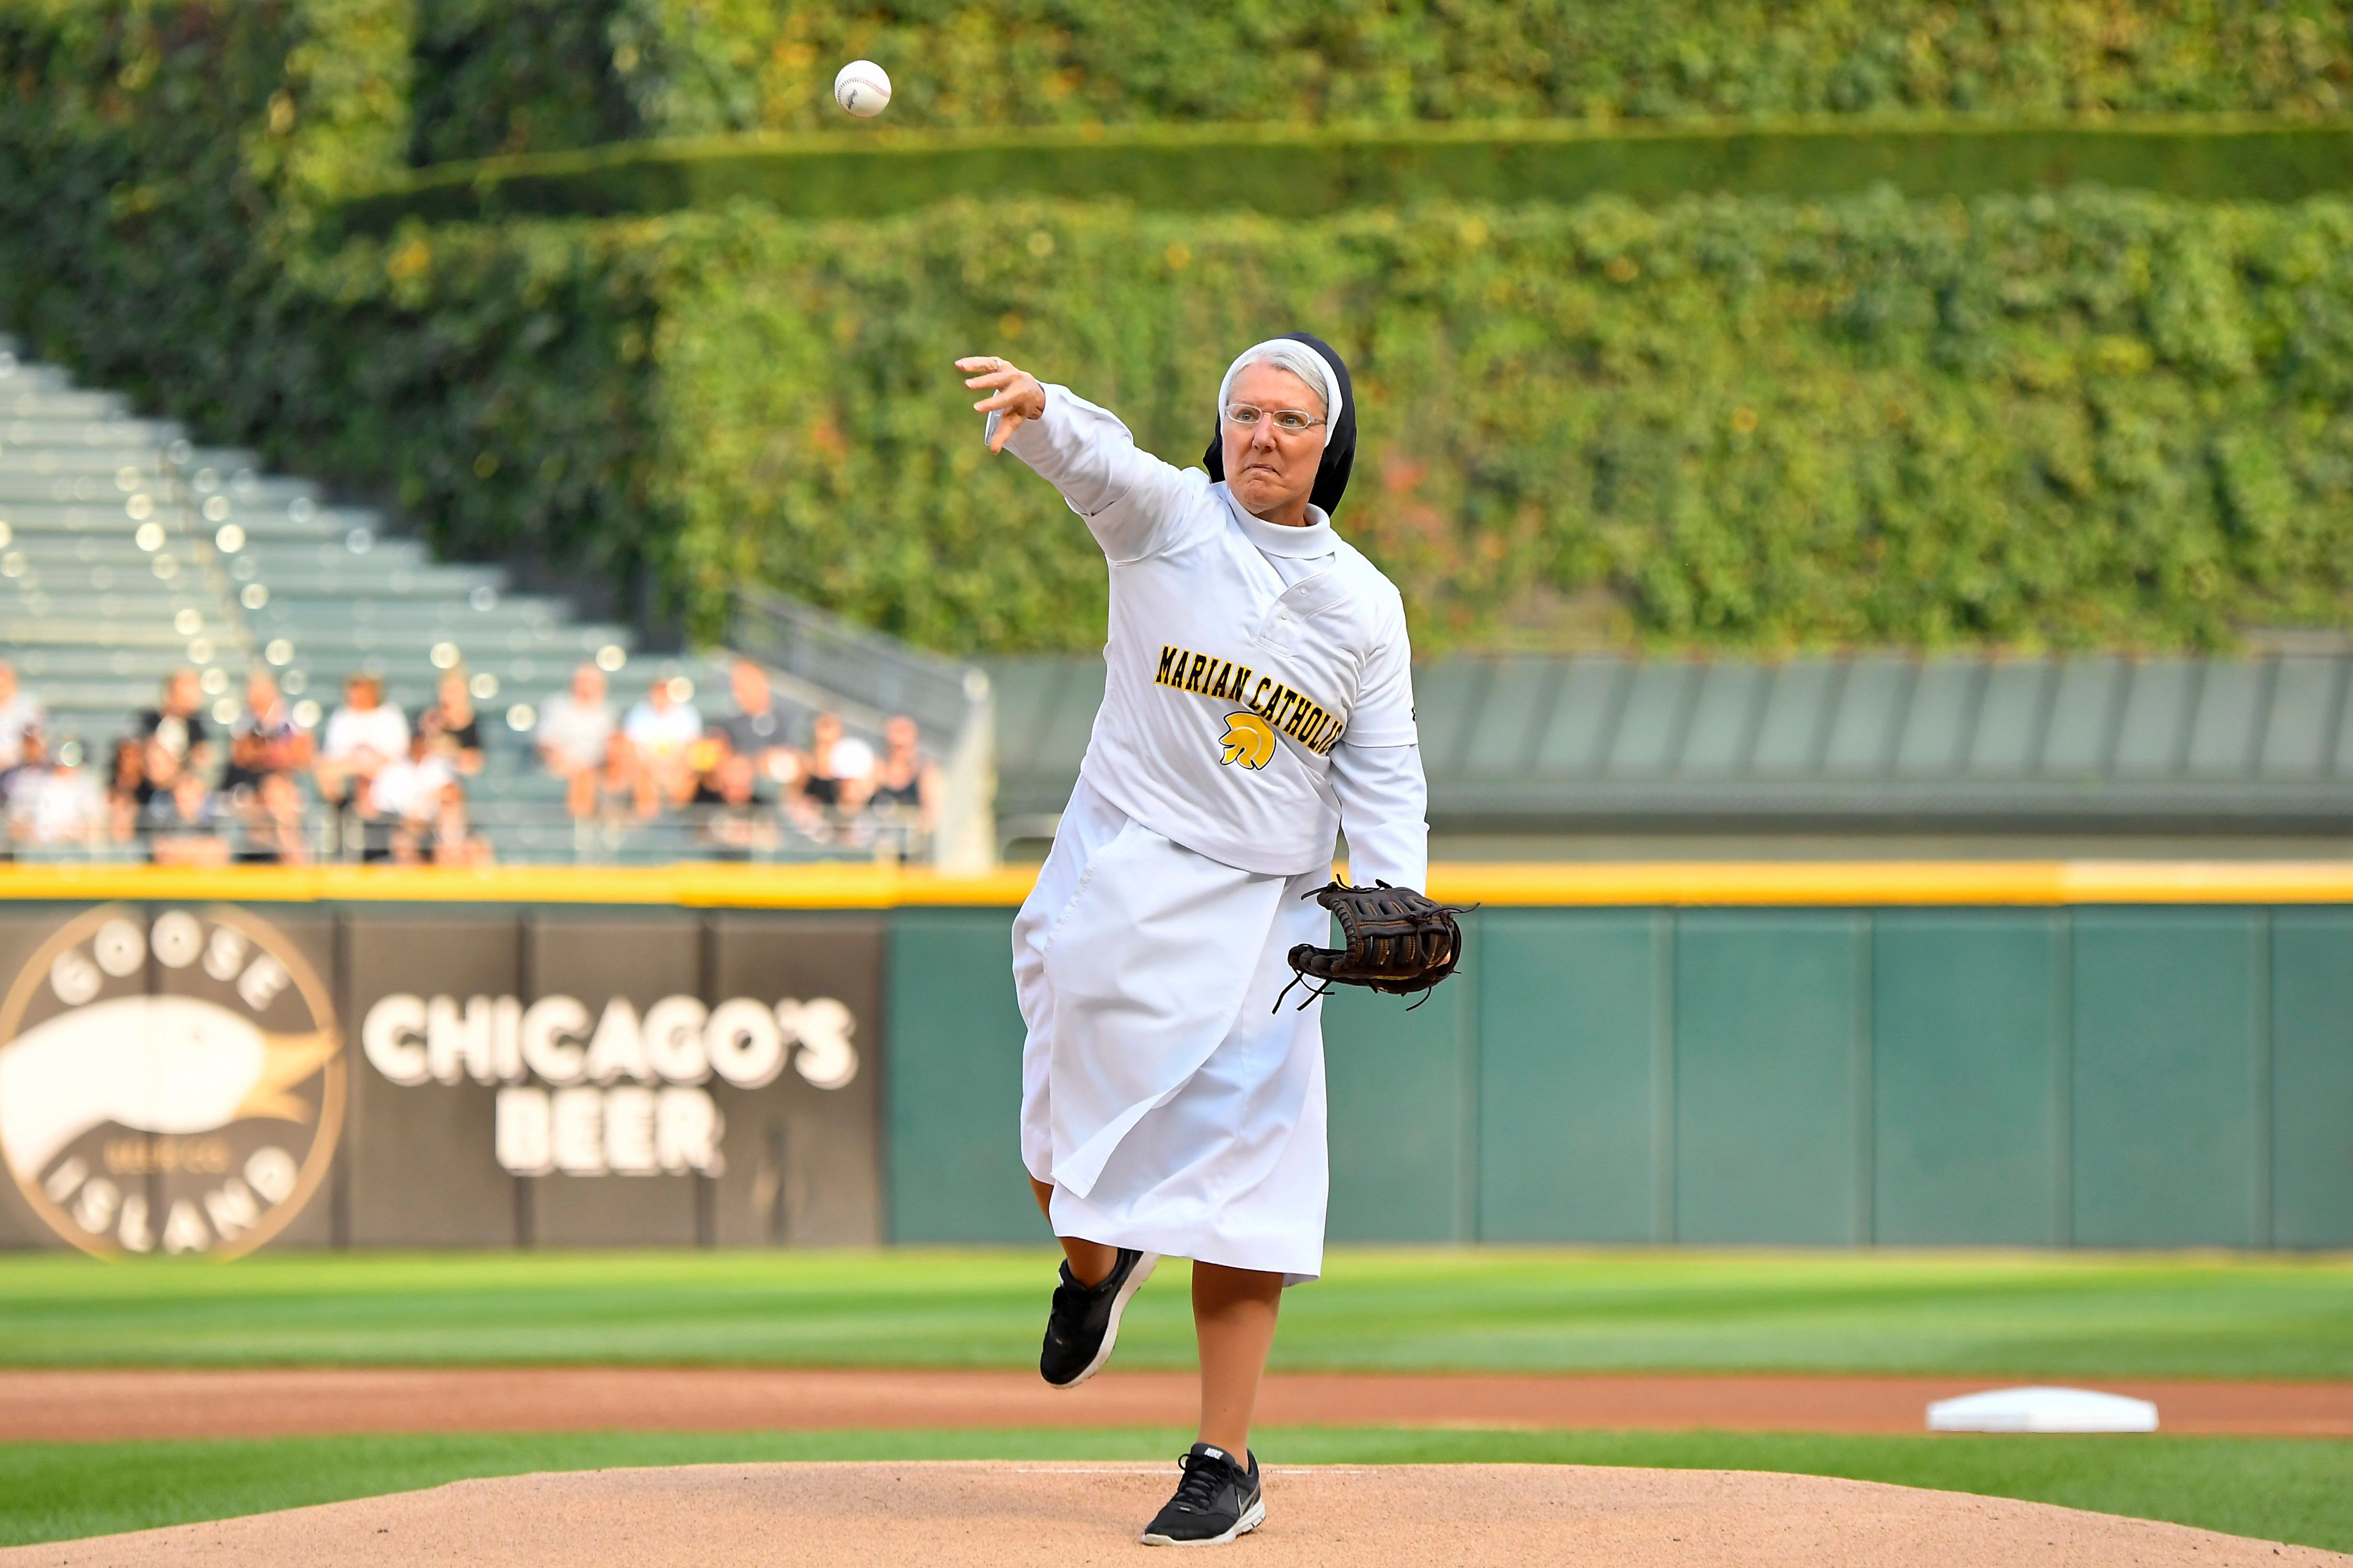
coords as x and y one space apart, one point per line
2007 1316
2011 1315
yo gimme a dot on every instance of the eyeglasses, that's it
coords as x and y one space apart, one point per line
1289 421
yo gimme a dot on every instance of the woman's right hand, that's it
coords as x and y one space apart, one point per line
1014 394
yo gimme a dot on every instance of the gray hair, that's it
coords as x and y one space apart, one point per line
1291 354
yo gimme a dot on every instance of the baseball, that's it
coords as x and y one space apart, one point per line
863 88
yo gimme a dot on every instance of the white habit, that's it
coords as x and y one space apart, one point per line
1258 696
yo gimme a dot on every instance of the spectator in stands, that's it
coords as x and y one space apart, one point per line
734 820
664 728
908 783
265 739
452 840
704 759
757 729
841 772
19 782
175 726
273 824
50 802
620 787
363 737
31 758
163 765
452 725
19 713
128 789
402 798
573 737
184 825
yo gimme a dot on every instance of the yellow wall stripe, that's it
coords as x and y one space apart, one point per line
693 885
1900 882
869 887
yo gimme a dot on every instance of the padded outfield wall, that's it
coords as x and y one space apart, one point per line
1824 1056
2016 1054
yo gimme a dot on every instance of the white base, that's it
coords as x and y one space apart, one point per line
2043 1410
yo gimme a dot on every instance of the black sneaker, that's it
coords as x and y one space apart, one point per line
1084 1322
1218 1501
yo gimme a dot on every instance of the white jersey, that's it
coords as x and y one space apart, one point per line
1258 677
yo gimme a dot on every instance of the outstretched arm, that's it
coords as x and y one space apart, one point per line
1131 499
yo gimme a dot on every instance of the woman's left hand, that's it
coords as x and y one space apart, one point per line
1014 394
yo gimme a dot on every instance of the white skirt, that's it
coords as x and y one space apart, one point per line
1169 1103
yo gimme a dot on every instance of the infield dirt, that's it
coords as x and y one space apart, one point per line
967 1515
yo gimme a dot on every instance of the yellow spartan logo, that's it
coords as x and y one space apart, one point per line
1249 740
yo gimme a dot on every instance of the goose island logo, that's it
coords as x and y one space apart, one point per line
173 1085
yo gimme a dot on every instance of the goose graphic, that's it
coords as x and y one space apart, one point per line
151 1064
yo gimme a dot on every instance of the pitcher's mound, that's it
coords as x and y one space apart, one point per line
963 1515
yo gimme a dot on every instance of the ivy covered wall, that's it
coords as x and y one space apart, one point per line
696 67
2029 421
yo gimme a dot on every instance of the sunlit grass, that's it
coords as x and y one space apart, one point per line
2067 1314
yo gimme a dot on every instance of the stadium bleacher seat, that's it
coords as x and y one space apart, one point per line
127 553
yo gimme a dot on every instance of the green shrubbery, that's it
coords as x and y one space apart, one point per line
696 67
493 383
2096 419
157 163
514 76
1307 171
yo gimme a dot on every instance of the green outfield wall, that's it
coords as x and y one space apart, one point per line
2036 1054
2094 1077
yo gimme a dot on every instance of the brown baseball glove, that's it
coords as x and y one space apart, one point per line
1397 941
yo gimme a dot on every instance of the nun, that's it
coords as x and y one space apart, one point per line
1258 700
